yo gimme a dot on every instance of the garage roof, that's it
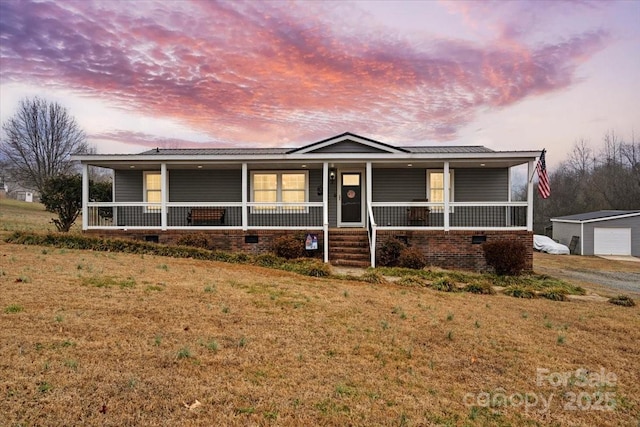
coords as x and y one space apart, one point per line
596 216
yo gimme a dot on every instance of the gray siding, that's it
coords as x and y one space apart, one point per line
315 185
399 185
470 185
563 232
481 185
205 186
128 186
348 147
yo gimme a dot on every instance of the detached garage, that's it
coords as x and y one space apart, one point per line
600 233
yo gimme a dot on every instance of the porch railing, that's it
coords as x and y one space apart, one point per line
381 215
285 215
427 215
139 215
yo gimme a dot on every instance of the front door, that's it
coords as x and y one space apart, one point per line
351 207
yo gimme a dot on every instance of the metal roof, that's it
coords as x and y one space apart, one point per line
215 151
283 150
597 215
448 149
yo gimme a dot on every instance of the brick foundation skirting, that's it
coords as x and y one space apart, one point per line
457 249
252 241
453 249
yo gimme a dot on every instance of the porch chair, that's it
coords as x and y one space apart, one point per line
418 215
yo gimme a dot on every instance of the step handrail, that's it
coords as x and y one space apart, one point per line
371 232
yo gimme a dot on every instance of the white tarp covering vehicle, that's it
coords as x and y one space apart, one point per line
546 244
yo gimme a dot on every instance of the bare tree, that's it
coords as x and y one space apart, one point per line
580 158
38 141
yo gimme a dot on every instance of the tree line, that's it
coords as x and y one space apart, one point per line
592 178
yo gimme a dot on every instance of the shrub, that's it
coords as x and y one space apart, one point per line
622 300
412 258
480 287
373 276
389 252
410 281
308 267
519 292
268 260
555 294
240 258
62 195
507 257
289 246
444 284
197 240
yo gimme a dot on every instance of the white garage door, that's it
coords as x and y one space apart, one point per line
612 241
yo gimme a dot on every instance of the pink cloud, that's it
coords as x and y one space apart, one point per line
266 72
152 141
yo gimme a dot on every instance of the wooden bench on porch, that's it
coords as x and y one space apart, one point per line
419 215
206 216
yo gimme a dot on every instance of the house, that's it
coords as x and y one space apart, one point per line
612 232
348 192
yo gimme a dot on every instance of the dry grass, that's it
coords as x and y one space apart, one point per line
98 338
22 216
543 261
16 215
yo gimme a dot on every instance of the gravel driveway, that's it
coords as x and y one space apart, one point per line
613 281
618 280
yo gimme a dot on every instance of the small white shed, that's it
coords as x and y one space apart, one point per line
611 232
25 196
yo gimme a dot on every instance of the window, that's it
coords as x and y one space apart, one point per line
285 187
152 190
435 186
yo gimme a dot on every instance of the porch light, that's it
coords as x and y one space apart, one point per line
481 164
409 165
199 166
132 167
332 175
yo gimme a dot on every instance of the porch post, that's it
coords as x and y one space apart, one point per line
447 184
85 196
163 195
507 213
245 217
325 209
369 189
530 197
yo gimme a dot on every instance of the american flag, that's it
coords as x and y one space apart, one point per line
543 177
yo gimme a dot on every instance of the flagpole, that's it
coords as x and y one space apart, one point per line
544 150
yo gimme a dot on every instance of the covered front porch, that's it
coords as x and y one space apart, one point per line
380 197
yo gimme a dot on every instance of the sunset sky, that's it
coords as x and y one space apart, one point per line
519 75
